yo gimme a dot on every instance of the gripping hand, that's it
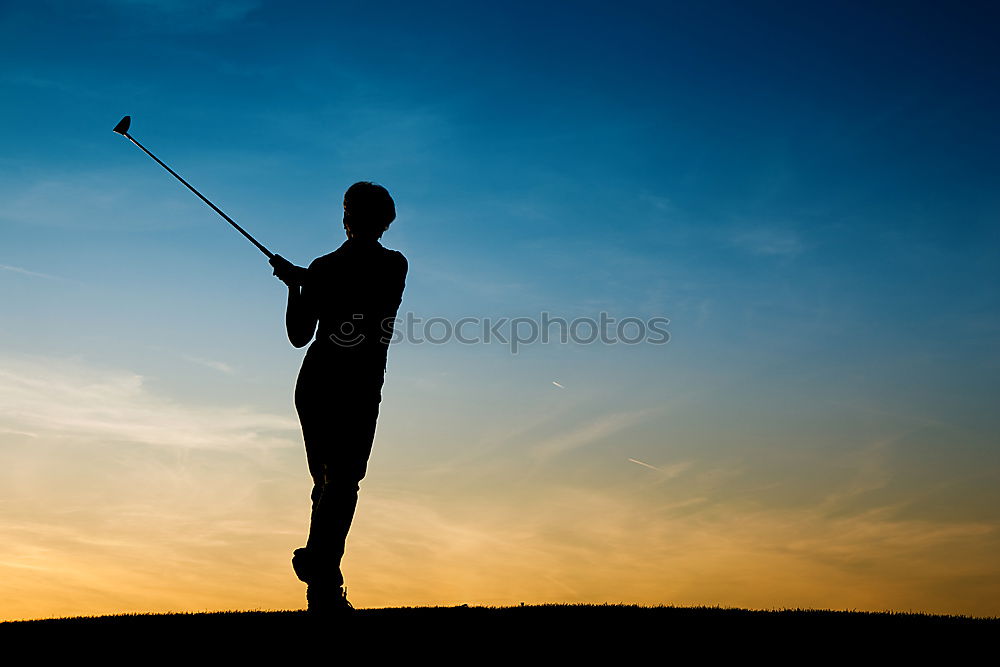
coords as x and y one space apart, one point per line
288 273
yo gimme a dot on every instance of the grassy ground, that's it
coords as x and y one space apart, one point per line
516 633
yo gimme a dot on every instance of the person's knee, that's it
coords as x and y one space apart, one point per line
341 483
338 479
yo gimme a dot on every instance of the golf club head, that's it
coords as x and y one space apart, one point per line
122 126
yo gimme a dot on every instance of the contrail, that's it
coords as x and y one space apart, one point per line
636 461
558 385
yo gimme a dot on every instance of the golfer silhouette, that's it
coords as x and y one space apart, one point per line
352 294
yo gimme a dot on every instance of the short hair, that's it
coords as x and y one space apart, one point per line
368 209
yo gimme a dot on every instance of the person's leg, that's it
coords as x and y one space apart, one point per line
337 500
339 431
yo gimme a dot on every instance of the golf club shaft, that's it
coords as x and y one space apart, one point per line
215 208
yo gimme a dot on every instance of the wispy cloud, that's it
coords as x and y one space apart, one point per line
26 272
679 550
13 431
111 490
162 512
220 366
93 200
79 403
585 434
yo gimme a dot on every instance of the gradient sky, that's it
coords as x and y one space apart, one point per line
808 191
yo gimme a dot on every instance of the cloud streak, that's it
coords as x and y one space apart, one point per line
642 463
677 551
118 499
178 507
26 272
80 403
588 433
220 366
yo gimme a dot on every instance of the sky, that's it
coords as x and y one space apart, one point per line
806 192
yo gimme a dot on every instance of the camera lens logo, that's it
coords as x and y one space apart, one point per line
349 334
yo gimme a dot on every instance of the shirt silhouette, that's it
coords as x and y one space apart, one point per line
352 296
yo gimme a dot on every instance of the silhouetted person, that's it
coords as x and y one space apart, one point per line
353 295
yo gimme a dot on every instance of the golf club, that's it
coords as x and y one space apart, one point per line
122 129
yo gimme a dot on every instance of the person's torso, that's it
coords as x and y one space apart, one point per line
355 291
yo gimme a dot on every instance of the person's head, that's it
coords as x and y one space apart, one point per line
368 211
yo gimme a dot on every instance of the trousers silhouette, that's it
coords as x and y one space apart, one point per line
338 406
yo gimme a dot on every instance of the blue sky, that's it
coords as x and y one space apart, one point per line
807 192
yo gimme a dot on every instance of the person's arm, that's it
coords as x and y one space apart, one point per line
400 283
300 316
394 297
